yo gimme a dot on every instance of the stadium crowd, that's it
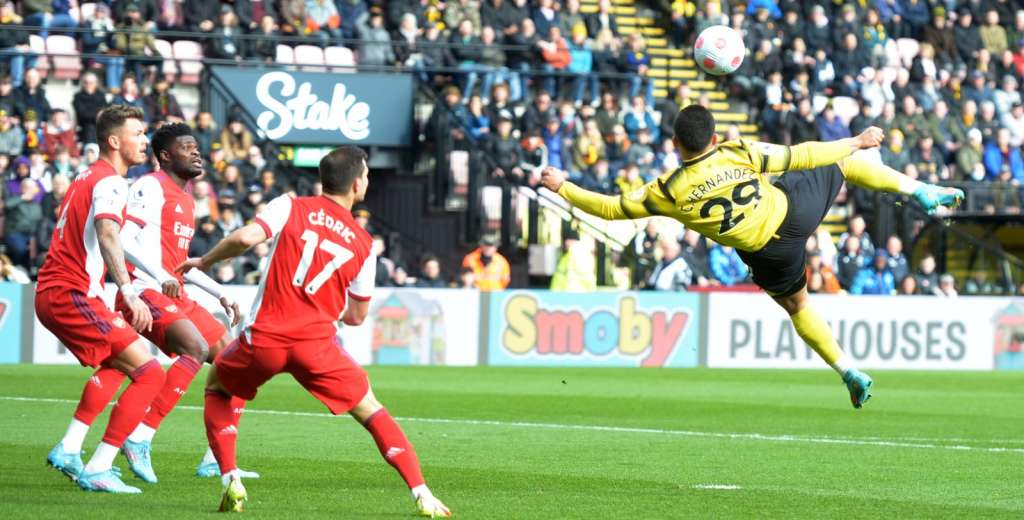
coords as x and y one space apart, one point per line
540 83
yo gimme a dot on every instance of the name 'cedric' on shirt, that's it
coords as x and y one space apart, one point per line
320 218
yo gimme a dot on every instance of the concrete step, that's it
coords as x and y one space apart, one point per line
657 72
672 62
664 51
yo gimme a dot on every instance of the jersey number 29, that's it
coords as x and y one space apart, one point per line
738 198
341 256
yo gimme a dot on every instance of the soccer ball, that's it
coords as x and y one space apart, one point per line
719 50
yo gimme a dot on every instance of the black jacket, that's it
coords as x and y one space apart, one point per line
87 107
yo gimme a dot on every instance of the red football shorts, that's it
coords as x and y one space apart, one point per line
166 311
322 367
90 330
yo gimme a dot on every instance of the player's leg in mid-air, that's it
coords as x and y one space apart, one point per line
334 378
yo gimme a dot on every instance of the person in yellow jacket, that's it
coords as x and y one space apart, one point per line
490 269
724 191
577 268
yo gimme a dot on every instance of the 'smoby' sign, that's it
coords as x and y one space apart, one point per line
324 108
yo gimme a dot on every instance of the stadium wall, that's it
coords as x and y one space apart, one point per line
410 326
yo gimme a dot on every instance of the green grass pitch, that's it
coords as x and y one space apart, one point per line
558 443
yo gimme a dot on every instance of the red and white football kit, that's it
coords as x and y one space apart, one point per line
165 214
68 299
319 258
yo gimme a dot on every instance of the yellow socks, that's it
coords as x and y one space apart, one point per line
815 332
868 172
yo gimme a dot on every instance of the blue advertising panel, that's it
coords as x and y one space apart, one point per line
613 329
324 108
10 322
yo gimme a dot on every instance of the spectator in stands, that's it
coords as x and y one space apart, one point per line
235 140
558 144
827 282
947 286
500 15
385 266
588 148
581 64
97 40
160 104
13 43
726 265
576 270
909 121
253 198
253 164
33 133
87 103
628 179
201 15
926 277
603 19
376 47
430 274
205 132
637 62
939 35
525 56
90 154
226 274
490 269
466 49
47 14
898 263
12 137
642 154
263 46
12 273
269 185
1014 123
492 62
598 179
694 250
993 35
830 126
22 216
323 20
477 121
801 125
876 279
894 153
929 162
538 113
52 200
129 94
506 151
969 158
408 52
850 261
639 116
942 127
908 286
554 51
226 41
857 227
59 132
978 90
987 121
32 95
977 284
1003 162
133 40
672 273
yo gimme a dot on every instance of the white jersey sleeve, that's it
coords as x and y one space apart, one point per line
109 197
145 202
362 286
273 218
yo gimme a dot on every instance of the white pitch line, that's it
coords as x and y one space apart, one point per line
723 487
621 429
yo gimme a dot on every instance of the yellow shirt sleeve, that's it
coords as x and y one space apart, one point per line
643 202
771 158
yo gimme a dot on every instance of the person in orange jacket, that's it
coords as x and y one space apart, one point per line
491 270
555 52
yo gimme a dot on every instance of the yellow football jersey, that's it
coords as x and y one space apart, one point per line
725 194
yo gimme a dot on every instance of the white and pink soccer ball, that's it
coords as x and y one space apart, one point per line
719 50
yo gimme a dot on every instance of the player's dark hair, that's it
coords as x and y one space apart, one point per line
111 119
340 167
694 127
165 136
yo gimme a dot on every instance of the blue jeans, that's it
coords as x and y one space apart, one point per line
636 82
18 249
580 84
469 78
550 82
16 64
517 78
114 66
46 21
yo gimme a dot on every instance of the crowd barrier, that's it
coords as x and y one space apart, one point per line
453 327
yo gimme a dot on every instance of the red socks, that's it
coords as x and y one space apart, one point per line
131 407
395 447
222 428
179 377
98 391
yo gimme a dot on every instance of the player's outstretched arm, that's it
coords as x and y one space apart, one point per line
603 206
204 282
233 245
814 154
135 253
108 236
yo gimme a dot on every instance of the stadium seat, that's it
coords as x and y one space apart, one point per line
340 59
67 63
86 11
170 68
908 48
310 57
189 55
38 46
285 55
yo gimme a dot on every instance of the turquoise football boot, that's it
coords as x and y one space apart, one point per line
931 197
859 385
105 481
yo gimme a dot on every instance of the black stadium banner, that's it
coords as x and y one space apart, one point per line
321 108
